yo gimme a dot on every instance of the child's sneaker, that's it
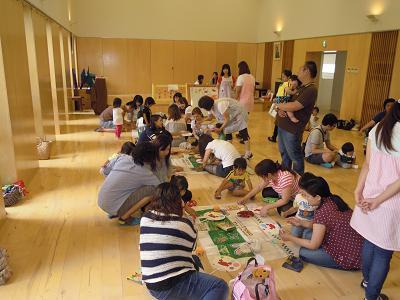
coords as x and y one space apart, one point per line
129 222
248 155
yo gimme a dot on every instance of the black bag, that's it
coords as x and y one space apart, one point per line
346 125
303 145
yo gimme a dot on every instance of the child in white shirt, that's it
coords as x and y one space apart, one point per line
118 116
305 212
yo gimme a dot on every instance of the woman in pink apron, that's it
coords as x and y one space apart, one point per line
245 85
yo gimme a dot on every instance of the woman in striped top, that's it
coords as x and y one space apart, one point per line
167 240
377 195
283 184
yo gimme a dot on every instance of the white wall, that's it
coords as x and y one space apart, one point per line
312 18
58 10
200 20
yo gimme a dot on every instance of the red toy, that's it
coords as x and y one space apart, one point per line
245 214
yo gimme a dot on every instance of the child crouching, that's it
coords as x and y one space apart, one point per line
346 156
236 180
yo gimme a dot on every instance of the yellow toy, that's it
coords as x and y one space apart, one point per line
260 273
199 251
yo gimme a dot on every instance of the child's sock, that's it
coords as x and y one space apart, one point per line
327 165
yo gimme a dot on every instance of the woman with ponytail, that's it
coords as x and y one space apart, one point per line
332 243
281 182
377 195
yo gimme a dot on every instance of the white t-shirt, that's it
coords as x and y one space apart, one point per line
223 151
117 116
305 211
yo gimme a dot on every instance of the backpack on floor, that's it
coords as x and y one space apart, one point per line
256 282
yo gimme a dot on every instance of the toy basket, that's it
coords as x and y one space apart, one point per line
13 193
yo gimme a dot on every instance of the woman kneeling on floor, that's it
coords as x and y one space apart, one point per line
279 187
332 242
129 184
167 240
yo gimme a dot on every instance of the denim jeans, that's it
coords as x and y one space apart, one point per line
290 149
317 257
302 232
107 124
375 267
195 286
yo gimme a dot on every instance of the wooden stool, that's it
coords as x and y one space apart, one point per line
78 105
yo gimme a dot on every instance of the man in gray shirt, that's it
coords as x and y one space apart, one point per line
130 183
315 151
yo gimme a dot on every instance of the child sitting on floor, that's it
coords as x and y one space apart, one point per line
198 128
236 180
126 149
182 184
346 156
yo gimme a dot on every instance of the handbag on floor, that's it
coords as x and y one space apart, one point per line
43 148
256 282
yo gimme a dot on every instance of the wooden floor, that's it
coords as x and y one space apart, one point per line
62 246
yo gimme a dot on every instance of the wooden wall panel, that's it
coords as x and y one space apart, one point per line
268 53
379 75
227 54
162 61
260 63
248 53
115 61
20 110
90 54
139 67
184 62
55 31
205 59
395 84
287 55
42 60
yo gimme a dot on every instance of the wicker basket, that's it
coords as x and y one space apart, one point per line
12 197
43 149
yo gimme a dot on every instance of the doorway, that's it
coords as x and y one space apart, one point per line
331 67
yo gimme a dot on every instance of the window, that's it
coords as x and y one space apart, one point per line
328 65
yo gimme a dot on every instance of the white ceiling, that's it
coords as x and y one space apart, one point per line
221 20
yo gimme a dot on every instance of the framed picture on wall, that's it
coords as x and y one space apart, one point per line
277 50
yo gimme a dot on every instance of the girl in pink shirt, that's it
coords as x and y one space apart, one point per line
284 183
245 85
377 195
